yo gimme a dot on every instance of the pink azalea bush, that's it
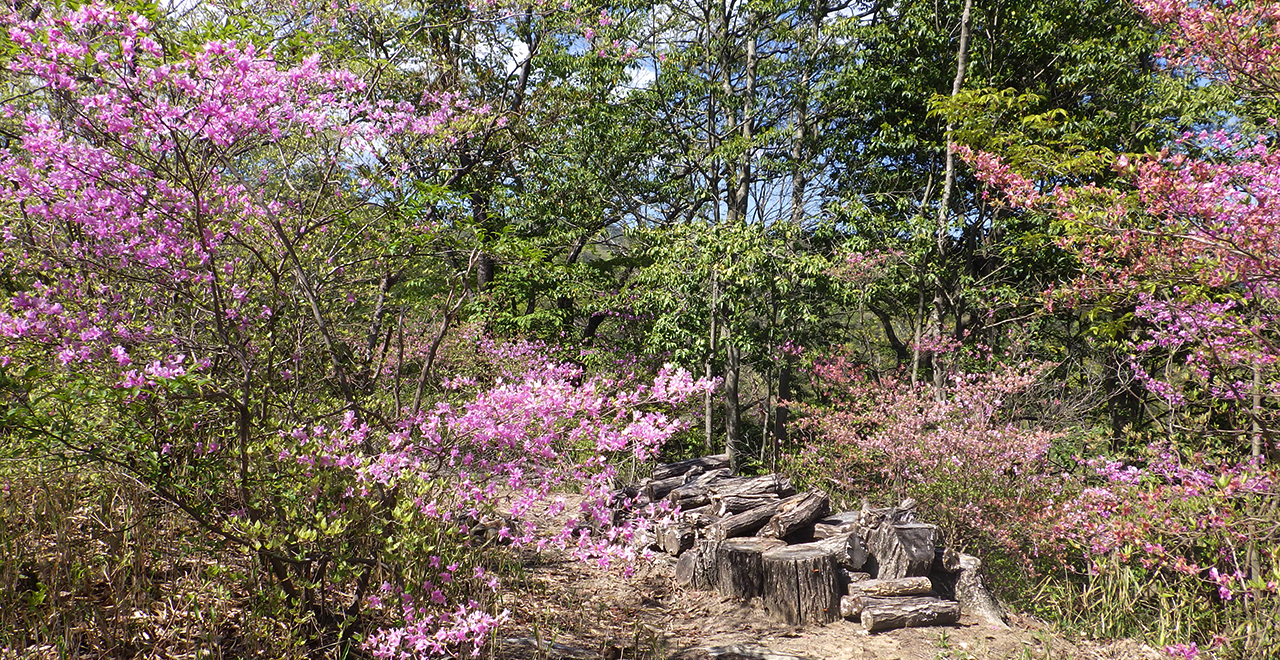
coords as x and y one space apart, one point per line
959 452
1189 238
1185 545
191 299
511 453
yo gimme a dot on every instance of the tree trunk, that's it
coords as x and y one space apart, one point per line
918 335
732 414
708 400
781 414
936 315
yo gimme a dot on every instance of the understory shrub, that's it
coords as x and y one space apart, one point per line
1179 550
958 452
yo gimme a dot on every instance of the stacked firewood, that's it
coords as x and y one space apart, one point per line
749 537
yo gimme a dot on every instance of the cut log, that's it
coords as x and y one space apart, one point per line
697 492
657 489
733 504
908 586
707 463
851 607
871 519
848 550
705 510
854 577
712 476
646 539
676 536
775 484
911 614
700 517
902 550
801 584
738 566
697 568
690 495
795 513
744 523
835 525
974 598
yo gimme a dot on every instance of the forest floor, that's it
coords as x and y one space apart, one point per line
590 612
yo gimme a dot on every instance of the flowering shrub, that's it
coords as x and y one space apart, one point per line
1179 545
513 449
193 298
1192 245
958 452
1188 548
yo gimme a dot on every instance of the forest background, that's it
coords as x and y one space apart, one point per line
296 295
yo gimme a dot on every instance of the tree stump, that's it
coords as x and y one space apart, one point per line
909 613
973 595
902 550
801 584
738 566
697 568
796 513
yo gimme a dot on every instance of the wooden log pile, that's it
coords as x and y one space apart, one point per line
748 537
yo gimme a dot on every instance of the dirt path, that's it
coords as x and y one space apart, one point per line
596 613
